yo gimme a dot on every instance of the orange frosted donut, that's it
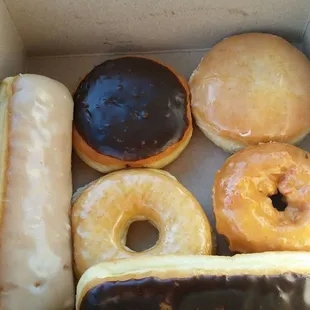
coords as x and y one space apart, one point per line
261 199
103 212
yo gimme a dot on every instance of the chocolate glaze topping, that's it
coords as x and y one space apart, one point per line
130 108
283 292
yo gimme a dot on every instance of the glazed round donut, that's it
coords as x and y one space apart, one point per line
252 88
103 212
261 199
131 112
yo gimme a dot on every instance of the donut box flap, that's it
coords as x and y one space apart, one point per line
65 39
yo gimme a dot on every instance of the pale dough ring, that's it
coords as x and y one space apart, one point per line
103 212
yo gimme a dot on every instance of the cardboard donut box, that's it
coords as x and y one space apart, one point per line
65 39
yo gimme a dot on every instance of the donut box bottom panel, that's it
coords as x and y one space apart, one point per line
40 37
196 166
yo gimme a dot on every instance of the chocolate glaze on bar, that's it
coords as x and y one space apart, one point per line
130 108
282 292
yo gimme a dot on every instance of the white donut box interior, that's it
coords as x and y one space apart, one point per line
65 39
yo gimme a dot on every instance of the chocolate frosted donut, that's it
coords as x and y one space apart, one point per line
131 111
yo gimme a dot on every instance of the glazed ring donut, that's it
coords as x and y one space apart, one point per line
131 112
261 199
103 212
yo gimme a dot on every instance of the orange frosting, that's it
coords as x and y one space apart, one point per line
242 205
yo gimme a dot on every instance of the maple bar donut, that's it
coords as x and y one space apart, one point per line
261 199
103 212
36 272
252 88
269 281
131 112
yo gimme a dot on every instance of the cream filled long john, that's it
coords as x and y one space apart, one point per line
35 256
103 212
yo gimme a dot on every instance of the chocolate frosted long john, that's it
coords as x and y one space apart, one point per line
265 281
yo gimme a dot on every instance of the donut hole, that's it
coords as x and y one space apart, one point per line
141 236
278 201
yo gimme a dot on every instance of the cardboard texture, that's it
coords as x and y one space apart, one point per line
306 39
92 26
11 46
184 29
